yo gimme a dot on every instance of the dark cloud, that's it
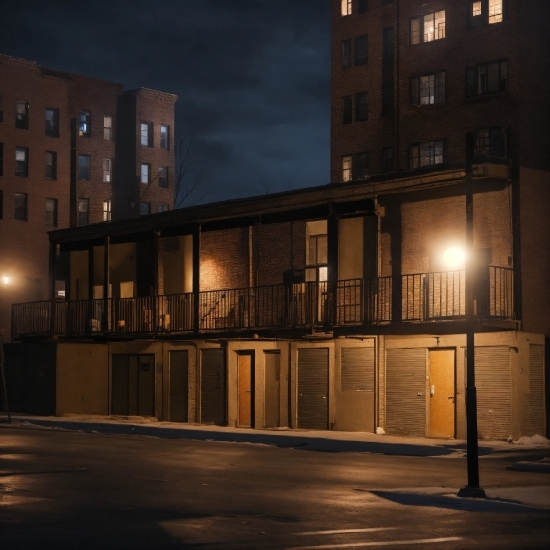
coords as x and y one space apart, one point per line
252 75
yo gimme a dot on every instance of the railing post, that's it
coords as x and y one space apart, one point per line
196 276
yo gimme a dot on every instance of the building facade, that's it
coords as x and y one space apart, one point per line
74 150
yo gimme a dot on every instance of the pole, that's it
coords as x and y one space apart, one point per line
472 489
3 371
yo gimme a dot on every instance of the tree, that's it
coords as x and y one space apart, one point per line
189 188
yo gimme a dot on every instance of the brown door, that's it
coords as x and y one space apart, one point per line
244 375
272 389
442 393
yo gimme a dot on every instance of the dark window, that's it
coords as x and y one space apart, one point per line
428 89
85 124
51 212
361 166
83 211
362 50
361 107
144 208
1 204
485 12
163 176
164 136
387 100
21 206
1 116
107 127
52 122
426 154
162 207
347 110
21 114
426 28
346 54
387 160
84 167
21 161
363 6
491 142
147 134
51 165
107 170
388 44
487 78
1 159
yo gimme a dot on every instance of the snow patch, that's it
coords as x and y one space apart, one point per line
533 440
380 431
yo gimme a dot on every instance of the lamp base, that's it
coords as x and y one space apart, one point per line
472 492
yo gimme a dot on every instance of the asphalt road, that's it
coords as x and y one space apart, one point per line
72 490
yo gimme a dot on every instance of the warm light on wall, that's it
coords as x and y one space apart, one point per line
454 257
6 280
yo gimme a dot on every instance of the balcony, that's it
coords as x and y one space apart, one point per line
424 297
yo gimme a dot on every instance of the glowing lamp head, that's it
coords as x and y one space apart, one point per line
6 280
454 257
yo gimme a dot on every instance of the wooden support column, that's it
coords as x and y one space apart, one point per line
196 276
91 273
53 250
332 275
105 320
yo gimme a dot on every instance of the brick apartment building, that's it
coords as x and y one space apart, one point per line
74 150
342 306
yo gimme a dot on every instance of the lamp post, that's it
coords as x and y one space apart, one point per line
472 489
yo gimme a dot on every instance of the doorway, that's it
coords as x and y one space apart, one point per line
442 392
179 386
272 381
245 378
133 385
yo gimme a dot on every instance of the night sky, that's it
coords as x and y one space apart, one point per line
252 76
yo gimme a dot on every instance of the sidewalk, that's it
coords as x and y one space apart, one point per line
325 441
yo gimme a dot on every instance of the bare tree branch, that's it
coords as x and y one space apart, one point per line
189 188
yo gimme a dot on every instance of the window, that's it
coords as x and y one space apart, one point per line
485 12
164 136
1 204
363 6
487 78
84 167
429 89
85 124
361 107
361 166
346 7
387 100
83 211
387 160
147 134
21 206
21 161
387 45
107 165
51 212
346 168
163 176
52 122
21 114
162 207
145 174
347 110
51 165
1 159
362 50
427 28
107 210
346 54
491 142
426 154
107 127
316 251
144 208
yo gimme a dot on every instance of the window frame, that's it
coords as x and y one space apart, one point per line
473 80
21 212
439 89
347 168
500 142
83 214
107 210
163 170
51 128
142 166
361 109
22 118
346 8
364 58
84 123
22 166
346 54
52 172
147 206
107 170
483 18
108 129
163 207
166 139
347 109
423 145
51 215
80 167
421 28
146 134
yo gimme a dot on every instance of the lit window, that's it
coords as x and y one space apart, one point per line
487 78
107 128
495 11
428 90
476 9
485 12
21 206
84 167
426 154
162 207
346 7
83 211
85 124
163 176
107 210
107 164
164 136
21 161
347 110
51 212
491 142
52 122
362 50
361 107
22 115
427 28
147 134
145 174
316 251
51 165
346 54
144 208
346 168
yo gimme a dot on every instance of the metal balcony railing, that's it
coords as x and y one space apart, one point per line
436 296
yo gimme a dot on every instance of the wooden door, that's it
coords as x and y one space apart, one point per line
442 393
244 376
272 389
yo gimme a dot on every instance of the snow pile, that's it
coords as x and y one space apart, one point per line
380 431
533 441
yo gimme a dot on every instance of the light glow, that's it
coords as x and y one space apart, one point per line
6 280
454 257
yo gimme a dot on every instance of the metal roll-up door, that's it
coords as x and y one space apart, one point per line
313 388
357 369
213 406
534 402
494 392
406 391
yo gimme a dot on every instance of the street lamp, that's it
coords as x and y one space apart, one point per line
6 280
454 258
